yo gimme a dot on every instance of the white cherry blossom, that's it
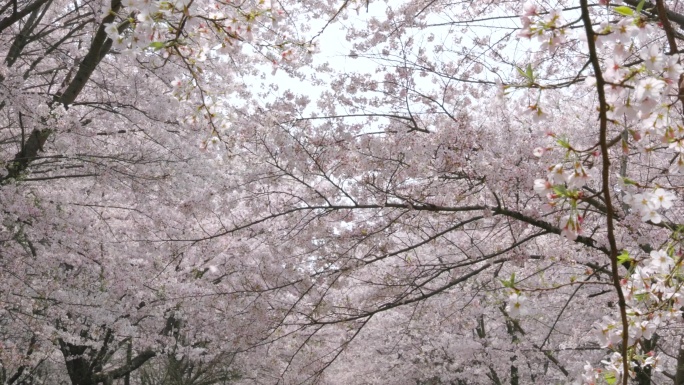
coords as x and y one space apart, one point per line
653 59
649 88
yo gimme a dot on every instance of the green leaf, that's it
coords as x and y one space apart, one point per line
628 181
509 284
157 45
624 10
563 142
526 73
529 73
560 190
641 297
521 72
610 378
640 6
624 257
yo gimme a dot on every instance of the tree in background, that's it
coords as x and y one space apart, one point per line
105 106
490 196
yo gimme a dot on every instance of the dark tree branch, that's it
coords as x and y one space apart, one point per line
679 375
129 367
18 15
99 46
672 16
605 176
22 368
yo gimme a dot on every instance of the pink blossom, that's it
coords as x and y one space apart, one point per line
653 58
530 8
649 88
664 198
543 187
557 174
570 227
660 261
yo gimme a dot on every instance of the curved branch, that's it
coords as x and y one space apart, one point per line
99 46
18 15
605 171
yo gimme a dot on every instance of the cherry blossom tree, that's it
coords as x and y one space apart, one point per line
106 111
487 192
493 199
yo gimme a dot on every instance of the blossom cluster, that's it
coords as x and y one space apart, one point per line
648 204
653 299
638 96
548 29
176 25
640 82
564 184
613 368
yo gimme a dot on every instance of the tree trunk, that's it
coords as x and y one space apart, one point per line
679 375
